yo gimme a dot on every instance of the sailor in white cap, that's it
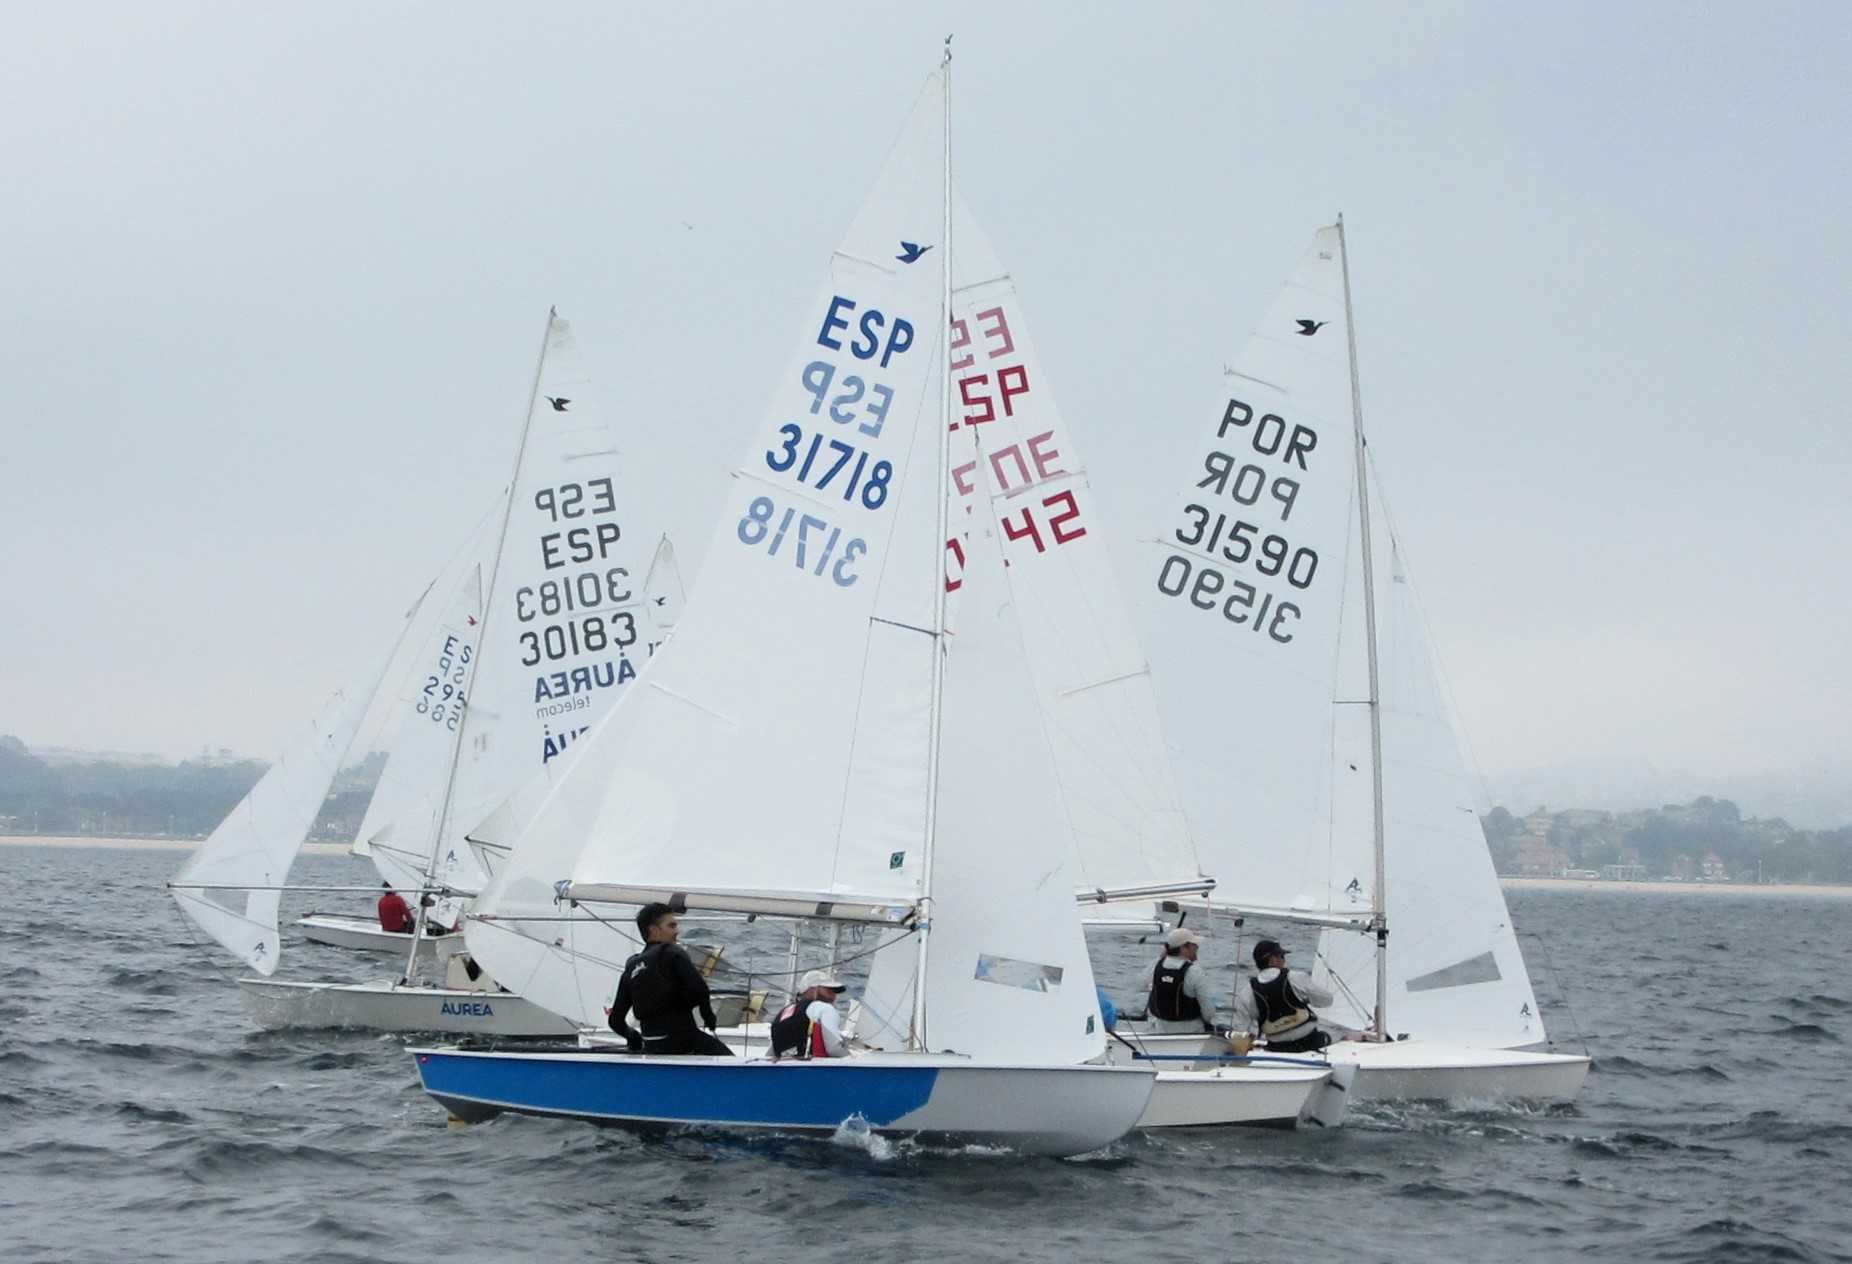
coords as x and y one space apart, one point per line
1180 1001
810 1027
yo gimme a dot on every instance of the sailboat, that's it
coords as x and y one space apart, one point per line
813 744
1315 752
542 628
1131 839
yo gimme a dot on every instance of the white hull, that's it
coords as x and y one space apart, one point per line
387 1006
1264 1096
942 1097
1426 1070
1420 1070
363 934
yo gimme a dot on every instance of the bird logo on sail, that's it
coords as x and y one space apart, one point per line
910 252
559 404
1309 327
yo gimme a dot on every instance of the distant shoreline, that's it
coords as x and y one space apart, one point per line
1815 890
1812 889
142 844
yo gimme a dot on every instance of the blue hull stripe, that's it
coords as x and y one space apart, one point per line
775 1095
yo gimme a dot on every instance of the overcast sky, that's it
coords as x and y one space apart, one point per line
272 281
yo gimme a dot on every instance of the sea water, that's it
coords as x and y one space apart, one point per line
142 1117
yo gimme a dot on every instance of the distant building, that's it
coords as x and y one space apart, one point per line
1624 873
1540 858
1713 869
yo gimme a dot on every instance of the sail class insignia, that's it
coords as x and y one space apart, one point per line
1309 327
910 252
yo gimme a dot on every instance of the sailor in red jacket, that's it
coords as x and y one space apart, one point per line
395 914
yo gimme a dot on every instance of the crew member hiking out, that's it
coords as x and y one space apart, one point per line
661 986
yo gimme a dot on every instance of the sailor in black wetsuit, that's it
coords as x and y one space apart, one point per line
661 986
1278 1005
1180 1002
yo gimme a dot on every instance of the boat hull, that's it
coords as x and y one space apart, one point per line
1255 1096
1038 1110
1212 1092
1427 1070
364 935
388 1006
1419 1070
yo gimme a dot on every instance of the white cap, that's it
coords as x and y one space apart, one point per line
819 979
1181 936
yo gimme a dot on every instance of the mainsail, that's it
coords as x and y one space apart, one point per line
782 740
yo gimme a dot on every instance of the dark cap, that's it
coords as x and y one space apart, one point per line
1266 948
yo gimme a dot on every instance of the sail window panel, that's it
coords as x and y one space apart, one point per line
1030 976
1480 969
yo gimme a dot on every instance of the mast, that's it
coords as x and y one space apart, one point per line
938 564
488 599
1379 921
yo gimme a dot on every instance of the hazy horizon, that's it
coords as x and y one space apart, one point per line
277 278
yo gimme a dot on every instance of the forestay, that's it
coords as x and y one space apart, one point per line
779 746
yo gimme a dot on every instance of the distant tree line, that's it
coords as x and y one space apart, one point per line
1706 839
183 800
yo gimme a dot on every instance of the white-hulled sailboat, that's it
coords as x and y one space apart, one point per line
542 622
812 744
1315 752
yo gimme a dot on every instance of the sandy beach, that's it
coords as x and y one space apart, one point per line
143 844
1812 890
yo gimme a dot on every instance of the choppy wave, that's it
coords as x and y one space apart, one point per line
141 1114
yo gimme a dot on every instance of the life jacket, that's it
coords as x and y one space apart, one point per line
1282 1012
795 1036
791 1031
1168 1001
653 990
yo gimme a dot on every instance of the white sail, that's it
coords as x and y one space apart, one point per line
403 820
1252 599
229 888
1242 596
1007 974
779 745
567 625
1455 971
1090 674
401 813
